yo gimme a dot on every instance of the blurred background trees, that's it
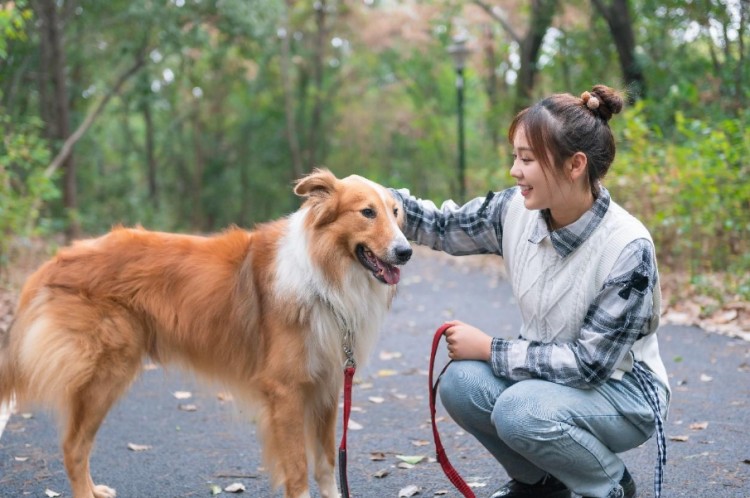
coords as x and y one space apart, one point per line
192 115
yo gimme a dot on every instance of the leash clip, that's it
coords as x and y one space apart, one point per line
348 347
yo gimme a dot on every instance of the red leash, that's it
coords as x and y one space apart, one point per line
349 370
442 458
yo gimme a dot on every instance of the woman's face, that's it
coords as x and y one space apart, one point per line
536 188
566 195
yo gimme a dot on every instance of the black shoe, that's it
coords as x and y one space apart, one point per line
549 487
626 489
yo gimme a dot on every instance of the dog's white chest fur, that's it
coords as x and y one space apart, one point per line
357 305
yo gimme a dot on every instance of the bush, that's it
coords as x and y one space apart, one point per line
23 184
691 190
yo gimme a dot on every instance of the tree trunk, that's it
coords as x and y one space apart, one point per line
52 48
739 82
617 15
315 132
286 82
542 13
197 213
153 192
490 56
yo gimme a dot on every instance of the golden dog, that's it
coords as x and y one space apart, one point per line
264 312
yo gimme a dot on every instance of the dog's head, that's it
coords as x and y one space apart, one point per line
356 217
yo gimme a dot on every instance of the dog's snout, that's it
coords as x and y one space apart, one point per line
403 254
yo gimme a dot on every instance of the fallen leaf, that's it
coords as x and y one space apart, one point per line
354 426
408 491
376 399
405 466
441 492
386 355
138 447
679 439
698 426
236 487
377 456
387 372
381 473
51 494
182 394
706 378
410 459
27 415
476 484
21 459
420 442
215 490
187 407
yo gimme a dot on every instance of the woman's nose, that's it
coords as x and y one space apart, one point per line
515 170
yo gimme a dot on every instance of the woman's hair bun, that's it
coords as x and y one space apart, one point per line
603 101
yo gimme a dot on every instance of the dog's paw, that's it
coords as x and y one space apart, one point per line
102 491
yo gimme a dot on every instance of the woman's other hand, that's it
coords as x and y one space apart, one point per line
466 342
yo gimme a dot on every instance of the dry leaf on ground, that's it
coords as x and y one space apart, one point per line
236 487
408 491
138 447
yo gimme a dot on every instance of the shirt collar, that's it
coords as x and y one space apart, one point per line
567 239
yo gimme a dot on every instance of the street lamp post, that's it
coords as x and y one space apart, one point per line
460 52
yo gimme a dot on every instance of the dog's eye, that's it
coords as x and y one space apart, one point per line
395 212
368 213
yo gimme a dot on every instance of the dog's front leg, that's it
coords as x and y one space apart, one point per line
286 445
324 451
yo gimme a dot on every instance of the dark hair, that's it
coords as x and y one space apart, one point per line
561 125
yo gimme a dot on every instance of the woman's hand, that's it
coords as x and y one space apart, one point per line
466 342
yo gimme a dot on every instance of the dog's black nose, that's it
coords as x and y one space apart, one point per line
403 254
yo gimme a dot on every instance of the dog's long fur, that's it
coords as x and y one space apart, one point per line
263 312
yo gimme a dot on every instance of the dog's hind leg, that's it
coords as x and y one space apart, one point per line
87 408
110 359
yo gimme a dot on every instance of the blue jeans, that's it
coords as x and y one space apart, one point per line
536 427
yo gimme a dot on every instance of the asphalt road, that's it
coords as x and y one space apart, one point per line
204 441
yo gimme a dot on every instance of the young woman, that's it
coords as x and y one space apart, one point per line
584 380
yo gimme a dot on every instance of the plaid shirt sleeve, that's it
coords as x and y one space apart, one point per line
474 228
620 314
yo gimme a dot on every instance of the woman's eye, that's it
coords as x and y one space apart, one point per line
368 213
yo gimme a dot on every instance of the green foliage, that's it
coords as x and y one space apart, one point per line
691 189
208 113
13 18
23 184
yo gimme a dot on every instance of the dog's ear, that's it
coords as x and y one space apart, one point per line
319 187
320 183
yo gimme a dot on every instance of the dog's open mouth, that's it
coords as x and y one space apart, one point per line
381 270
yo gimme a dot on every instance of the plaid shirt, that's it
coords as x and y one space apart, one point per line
621 313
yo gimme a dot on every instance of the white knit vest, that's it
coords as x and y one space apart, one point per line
554 293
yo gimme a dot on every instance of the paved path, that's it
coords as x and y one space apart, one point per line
189 451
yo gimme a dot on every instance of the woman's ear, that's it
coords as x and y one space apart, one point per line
576 166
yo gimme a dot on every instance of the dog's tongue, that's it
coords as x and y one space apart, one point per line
390 273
